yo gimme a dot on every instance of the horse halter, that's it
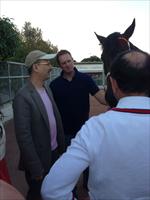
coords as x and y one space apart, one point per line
106 79
123 41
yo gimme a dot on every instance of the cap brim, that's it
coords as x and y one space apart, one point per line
47 57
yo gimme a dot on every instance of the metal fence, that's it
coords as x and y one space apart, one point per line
13 76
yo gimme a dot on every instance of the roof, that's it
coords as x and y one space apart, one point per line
89 67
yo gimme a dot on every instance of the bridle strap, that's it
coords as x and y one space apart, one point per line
106 78
132 110
107 75
127 42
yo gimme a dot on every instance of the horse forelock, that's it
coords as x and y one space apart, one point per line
114 44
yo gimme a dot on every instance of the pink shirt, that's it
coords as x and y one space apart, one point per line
51 118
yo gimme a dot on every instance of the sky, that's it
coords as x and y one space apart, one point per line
71 24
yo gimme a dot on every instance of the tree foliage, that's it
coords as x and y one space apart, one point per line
31 39
91 59
9 38
16 45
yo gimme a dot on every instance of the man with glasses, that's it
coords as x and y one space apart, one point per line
38 125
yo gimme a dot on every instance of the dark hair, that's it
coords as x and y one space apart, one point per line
30 70
131 70
62 52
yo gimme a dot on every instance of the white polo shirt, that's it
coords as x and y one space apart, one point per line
116 147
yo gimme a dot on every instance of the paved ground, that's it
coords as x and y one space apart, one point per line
12 154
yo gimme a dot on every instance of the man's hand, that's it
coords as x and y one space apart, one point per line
39 178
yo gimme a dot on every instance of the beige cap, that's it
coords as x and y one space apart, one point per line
36 55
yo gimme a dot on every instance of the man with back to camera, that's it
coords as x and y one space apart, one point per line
71 92
114 145
38 125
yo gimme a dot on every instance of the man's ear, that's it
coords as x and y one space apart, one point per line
35 67
114 86
116 90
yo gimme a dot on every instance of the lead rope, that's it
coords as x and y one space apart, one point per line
132 110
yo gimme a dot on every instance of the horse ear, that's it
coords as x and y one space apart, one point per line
129 31
100 38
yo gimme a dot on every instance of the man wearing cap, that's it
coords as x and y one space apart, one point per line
38 125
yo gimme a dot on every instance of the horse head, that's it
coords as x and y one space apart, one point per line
112 45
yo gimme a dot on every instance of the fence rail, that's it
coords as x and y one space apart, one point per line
13 76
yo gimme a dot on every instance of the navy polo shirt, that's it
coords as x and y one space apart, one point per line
72 99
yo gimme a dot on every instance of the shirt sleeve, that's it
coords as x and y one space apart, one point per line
93 88
64 174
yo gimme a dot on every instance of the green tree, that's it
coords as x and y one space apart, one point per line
32 39
91 59
31 36
9 38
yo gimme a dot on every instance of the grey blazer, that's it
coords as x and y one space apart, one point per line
33 132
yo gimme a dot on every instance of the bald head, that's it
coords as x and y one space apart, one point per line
131 70
137 59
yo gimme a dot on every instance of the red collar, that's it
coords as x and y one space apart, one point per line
132 110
